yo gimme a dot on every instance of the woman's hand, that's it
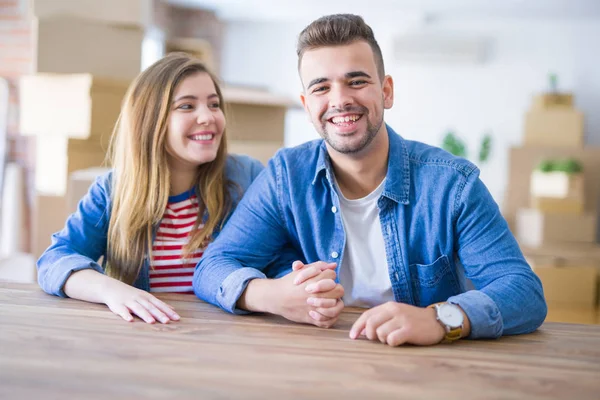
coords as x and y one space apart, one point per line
125 300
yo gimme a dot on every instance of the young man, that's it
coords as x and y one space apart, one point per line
401 221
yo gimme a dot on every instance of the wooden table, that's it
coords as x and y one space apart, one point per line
55 348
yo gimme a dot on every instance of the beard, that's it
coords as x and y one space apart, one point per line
355 144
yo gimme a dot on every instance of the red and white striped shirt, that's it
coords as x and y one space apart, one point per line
169 272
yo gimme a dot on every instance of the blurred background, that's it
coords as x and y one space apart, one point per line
513 85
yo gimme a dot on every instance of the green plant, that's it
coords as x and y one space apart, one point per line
486 148
568 166
546 166
456 146
553 81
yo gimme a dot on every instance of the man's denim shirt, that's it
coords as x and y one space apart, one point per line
440 225
83 240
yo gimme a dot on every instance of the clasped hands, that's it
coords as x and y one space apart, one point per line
317 299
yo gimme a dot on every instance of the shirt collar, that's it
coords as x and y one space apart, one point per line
397 186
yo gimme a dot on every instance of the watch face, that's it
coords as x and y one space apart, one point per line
450 315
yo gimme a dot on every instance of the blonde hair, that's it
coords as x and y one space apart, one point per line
141 175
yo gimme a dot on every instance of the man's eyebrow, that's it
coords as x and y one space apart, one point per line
316 82
356 74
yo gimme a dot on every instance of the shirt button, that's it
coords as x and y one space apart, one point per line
334 254
334 209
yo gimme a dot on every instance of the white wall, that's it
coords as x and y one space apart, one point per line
430 99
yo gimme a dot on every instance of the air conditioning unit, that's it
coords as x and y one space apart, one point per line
436 48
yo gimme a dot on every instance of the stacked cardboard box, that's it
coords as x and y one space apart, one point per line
553 121
255 121
555 214
557 192
570 287
72 117
557 210
86 53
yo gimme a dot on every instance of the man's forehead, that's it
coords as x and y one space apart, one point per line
336 61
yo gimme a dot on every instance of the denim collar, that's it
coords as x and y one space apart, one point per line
397 185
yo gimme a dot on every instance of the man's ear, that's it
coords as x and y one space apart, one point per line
388 92
303 100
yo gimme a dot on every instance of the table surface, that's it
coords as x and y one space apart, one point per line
63 348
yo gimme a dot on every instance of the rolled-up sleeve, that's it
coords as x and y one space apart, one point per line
80 243
253 239
509 297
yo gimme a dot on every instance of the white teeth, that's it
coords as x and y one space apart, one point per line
202 137
340 120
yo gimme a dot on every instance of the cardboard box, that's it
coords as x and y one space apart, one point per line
73 105
574 252
198 48
67 44
551 205
552 100
49 216
79 184
554 127
254 114
570 314
568 284
18 267
557 192
116 12
58 156
534 228
557 185
523 160
255 122
261 150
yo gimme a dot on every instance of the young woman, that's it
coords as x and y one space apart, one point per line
171 188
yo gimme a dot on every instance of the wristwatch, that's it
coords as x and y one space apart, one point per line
451 318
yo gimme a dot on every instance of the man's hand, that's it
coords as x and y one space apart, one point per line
397 323
316 282
283 297
325 307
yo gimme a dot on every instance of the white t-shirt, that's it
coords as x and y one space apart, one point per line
364 270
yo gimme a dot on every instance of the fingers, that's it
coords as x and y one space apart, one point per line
311 270
323 285
154 311
332 312
321 320
165 308
386 328
374 322
122 312
336 293
398 337
306 273
141 312
361 323
325 266
321 303
296 265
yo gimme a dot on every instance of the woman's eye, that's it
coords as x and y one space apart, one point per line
185 107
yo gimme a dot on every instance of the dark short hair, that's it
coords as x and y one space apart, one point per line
339 30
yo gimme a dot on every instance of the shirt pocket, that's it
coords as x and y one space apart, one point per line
435 282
